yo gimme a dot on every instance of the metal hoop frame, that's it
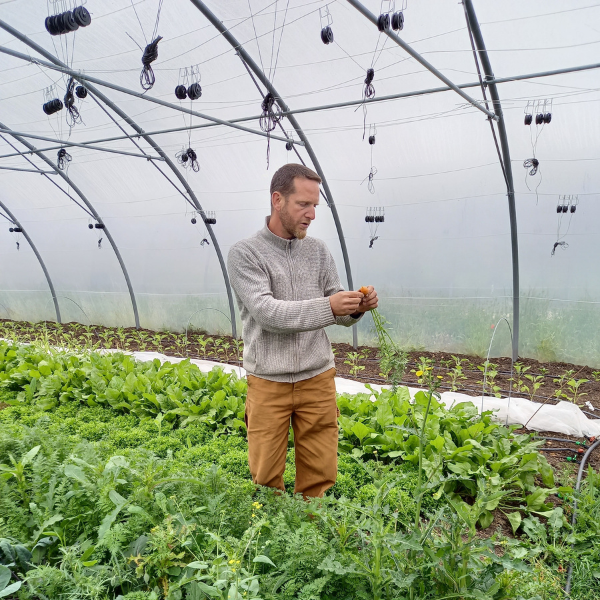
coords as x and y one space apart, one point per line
38 256
91 88
284 107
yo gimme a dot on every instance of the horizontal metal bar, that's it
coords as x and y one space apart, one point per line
322 107
39 172
394 37
129 92
78 145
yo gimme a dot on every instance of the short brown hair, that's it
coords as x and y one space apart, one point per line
283 179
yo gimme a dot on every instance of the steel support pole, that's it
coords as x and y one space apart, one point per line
310 109
91 209
38 256
394 37
80 145
284 107
81 77
92 89
27 170
512 210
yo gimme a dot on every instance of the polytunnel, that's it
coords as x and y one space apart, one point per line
474 137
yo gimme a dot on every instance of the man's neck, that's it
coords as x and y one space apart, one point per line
275 226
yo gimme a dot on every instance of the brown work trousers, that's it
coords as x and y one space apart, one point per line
311 406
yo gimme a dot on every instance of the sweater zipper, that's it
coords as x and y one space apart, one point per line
292 279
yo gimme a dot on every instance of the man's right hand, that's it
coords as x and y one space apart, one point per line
345 303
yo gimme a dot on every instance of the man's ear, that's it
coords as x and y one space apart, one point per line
276 201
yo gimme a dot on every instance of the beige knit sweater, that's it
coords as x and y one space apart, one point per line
282 288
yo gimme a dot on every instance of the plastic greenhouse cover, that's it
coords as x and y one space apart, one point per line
442 258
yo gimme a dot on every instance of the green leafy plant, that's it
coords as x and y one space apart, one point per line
517 380
561 382
536 383
456 372
352 360
574 385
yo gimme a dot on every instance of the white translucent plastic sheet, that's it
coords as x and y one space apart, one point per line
563 417
442 263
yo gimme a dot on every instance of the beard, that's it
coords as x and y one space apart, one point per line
289 225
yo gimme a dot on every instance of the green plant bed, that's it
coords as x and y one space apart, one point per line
108 487
110 517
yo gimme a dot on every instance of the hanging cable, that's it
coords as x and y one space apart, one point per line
532 164
73 116
63 158
147 77
368 93
188 159
269 118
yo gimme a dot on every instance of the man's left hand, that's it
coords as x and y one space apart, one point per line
370 301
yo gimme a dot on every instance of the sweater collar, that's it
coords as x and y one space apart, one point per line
266 234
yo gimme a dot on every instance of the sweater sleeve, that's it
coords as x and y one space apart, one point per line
253 288
333 286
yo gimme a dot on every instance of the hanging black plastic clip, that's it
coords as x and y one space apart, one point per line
326 23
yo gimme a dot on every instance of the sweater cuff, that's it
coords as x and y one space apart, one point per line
357 315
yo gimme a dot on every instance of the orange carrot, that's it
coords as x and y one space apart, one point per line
364 290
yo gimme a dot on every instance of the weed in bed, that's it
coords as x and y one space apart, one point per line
456 372
352 360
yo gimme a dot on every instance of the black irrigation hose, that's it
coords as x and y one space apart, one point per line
555 439
590 414
574 519
576 450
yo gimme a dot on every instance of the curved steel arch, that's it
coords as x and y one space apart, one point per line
313 157
38 256
91 209
507 166
91 88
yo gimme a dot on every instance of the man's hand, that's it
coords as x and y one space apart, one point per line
369 301
346 303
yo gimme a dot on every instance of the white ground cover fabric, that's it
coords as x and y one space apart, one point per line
563 417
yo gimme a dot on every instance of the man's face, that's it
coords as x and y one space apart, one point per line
298 210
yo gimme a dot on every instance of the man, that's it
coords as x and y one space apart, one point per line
288 289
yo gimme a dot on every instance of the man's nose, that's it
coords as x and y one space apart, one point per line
311 213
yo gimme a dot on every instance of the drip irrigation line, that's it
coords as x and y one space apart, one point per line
555 439
590 414
575 450
574 519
